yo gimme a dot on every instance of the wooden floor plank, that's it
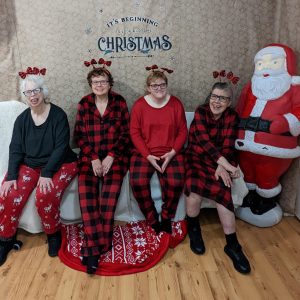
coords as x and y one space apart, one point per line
274 254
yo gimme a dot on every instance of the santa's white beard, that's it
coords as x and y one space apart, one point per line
271 87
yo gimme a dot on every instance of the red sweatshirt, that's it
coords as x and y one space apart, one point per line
157 130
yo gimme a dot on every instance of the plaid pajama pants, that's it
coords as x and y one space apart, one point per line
98 206
171 181
47 204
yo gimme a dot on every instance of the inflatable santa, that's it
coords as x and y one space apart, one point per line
269 110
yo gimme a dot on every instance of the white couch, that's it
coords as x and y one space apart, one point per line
127 209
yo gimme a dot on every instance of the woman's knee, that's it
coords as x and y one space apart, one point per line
193 204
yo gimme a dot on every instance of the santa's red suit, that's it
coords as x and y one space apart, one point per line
269 126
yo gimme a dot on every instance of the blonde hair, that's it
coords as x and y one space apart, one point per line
156 75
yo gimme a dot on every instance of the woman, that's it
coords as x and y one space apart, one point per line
102 133
158 131
39 156
211 163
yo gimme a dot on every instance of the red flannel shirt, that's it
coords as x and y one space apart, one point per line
213 138
99 136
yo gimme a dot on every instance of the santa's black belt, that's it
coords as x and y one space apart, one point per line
258 124
255 124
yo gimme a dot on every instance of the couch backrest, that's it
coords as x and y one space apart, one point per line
9 110
189 117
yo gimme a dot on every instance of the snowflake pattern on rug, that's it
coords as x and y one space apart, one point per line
133 243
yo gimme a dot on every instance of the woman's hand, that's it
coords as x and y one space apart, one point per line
107 163
153 161
6 186
97 167
234 171
167 158
45 184
221 172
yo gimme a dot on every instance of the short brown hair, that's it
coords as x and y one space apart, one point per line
156 75
100 72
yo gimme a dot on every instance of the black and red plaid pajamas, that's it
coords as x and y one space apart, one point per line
171 181
99 136
209 139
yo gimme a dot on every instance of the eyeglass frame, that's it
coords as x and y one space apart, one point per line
219 98
35 91
161 86
101 82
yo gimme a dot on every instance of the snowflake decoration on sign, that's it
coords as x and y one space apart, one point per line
88 30
137 3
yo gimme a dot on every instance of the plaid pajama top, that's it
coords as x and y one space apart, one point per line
210 138
99 136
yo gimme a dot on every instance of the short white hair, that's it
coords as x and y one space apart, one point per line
39 81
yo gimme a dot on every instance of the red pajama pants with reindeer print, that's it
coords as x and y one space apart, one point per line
47 203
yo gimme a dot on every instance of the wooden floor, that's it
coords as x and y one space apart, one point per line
274 254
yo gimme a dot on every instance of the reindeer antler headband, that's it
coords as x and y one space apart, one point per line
101 61
230 76
156 68
32 71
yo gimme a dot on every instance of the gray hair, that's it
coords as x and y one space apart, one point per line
224 86
39 81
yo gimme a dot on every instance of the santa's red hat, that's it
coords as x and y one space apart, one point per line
287 52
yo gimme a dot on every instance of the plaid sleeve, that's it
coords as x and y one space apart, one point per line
202 136
231 133
80 134
122 143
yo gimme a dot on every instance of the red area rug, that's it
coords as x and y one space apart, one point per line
136 247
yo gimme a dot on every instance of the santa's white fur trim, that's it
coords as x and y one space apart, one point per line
295 80
258 108
294 124
269 193
267 150
273 50
251 186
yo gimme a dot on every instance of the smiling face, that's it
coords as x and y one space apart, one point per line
158 89
34 94
219 101
100 85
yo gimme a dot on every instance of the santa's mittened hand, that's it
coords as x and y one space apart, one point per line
279 125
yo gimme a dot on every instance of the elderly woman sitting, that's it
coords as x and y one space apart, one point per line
211 163
39 156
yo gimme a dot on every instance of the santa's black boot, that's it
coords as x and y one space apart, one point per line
249 200
263 205
194 231
6 246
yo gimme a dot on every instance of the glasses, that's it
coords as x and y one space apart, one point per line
100 82
28 93
221 99
155 87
